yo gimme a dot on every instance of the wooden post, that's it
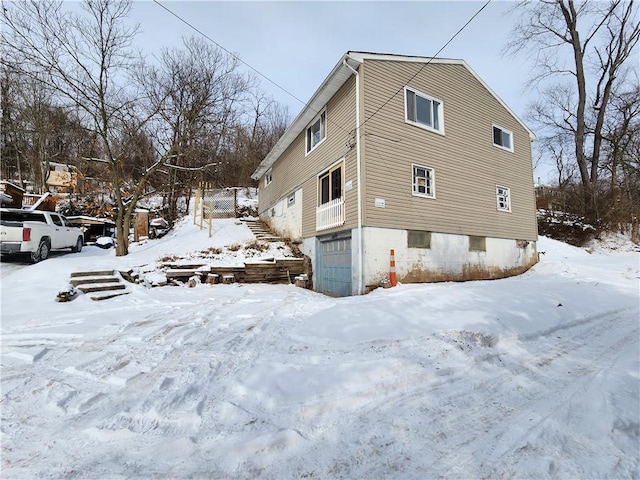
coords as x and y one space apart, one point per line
235 202
210 215
141 225
195 206
202 208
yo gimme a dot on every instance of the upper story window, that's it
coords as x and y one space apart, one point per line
424 111
503 198
330 185
317 132
423 181
268 177
502 138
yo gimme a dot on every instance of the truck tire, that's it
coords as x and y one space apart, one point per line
42 253
77 248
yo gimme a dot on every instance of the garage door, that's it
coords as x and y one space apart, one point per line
333 269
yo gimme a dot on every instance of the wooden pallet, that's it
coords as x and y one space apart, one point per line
268 270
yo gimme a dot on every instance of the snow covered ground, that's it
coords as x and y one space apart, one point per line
536 376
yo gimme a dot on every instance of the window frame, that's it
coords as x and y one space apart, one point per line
440 111
268 177
507 197
308 134
503 131
480 239
414 184
427 238
339 165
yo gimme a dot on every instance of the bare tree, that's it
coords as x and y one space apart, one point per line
253 136
197 93
35 131
581 52
86 59
621 139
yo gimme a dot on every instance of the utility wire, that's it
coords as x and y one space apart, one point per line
301 101
245 63
424 65
230 53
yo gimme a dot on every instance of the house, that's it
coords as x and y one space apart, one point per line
10 195
63 178
407 153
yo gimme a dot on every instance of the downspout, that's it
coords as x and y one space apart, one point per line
358 168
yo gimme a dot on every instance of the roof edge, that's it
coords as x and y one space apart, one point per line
329 87
312 108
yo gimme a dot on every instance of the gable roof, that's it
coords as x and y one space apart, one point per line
336 78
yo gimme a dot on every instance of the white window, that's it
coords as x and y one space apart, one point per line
268 177
317 132
424 111
291 199
330 185
503 198
502 138
423 181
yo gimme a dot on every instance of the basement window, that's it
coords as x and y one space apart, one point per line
477 244
418 239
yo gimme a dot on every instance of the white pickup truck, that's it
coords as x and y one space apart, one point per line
37 233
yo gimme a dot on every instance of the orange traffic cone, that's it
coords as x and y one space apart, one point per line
392 269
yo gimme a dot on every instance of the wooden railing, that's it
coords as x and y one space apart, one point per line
330 214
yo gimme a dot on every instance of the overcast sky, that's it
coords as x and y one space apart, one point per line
296 44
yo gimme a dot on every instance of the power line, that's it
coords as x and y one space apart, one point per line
303 102
230 53
243 62
424 65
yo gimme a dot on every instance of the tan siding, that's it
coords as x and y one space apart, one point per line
294 170
467 164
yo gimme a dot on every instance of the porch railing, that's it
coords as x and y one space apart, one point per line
330 214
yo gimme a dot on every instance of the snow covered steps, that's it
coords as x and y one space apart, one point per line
100 285
261 231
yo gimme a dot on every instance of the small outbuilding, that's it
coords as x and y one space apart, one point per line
10 195
93 228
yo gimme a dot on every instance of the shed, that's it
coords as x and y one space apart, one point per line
10 195
93 228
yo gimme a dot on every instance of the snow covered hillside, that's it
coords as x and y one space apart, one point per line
536 376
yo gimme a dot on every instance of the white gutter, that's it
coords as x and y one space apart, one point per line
358 168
